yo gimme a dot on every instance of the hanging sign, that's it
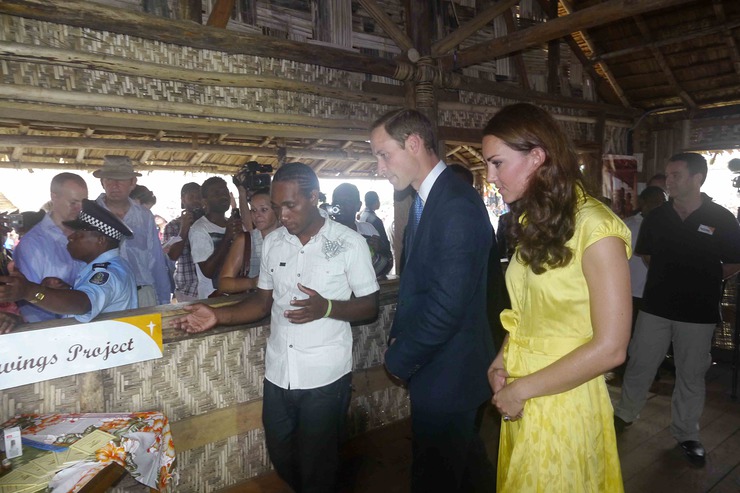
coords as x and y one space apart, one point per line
38 355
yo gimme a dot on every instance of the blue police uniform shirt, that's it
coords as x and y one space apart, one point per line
110 284
42 252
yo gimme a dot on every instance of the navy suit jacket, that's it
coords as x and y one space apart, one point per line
443 345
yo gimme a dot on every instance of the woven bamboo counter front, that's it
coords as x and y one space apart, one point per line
210 387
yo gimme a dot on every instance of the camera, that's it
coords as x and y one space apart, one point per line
333 210
253 176
12 221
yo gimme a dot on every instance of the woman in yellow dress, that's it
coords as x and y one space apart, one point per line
570 317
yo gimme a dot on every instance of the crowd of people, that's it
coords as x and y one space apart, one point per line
200 254
536 345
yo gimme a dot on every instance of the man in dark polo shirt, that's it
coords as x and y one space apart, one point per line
690 245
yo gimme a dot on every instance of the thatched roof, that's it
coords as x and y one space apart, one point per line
274 82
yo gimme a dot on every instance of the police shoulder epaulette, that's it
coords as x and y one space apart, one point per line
102 265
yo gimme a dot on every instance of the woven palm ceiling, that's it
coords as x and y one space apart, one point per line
673 57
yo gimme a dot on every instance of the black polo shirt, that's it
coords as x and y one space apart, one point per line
684 280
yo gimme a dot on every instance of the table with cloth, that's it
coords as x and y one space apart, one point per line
66 452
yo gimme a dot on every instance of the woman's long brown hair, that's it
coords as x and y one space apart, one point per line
550 200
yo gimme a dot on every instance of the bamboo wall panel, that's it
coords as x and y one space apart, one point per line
104 82
218 373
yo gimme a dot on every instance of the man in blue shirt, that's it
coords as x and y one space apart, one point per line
106 283
43 251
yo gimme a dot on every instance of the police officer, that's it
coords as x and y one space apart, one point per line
106 284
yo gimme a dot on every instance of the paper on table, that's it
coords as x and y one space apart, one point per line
18 477
92 442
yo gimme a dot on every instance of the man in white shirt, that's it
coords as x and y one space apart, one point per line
315 278
649 199
211 235
43 250
143 251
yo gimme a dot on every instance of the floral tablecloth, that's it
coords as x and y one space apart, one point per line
141 443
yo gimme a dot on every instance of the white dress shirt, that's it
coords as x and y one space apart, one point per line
336 263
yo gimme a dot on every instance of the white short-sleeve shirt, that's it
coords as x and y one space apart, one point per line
336 263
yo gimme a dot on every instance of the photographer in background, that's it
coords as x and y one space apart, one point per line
177 243
241 268
345 206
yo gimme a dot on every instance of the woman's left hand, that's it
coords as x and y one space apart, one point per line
508 402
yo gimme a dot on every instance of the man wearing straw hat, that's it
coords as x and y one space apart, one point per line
105 284
143 251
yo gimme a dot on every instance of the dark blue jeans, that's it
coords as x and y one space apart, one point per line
303 430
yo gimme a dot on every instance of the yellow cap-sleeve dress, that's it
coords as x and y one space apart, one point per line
564 442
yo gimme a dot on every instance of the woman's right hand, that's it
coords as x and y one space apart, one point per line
497 378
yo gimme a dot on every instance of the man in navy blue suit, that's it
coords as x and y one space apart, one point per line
440 344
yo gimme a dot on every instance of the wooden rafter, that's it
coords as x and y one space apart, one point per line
595 76
663 63
471 27
521 67
598 15
127 66
719 11
83 13
50 142
221 13
387 25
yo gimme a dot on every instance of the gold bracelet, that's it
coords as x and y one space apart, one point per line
328 309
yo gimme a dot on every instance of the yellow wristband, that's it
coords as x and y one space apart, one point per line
328 309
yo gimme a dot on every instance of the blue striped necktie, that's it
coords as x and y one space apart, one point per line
414 218
417 207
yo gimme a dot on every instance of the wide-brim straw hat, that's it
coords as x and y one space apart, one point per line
116 168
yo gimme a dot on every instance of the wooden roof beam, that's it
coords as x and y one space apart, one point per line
198 158
221 13
667 71
92 15
126 66
719 12
699 33
521 67
471 27
595 76
389 27
598 15
7 140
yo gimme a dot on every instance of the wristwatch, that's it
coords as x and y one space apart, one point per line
38 296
